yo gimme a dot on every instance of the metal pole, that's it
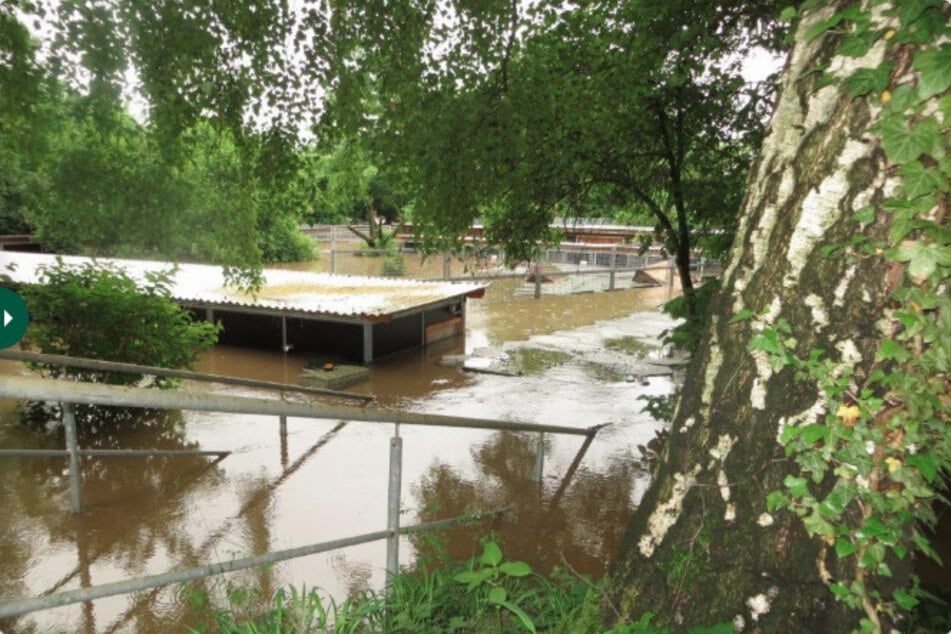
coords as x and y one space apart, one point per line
445 265
333 260
46 390
393 507
613 267
284 345
538 279
112 366
126 586
75 477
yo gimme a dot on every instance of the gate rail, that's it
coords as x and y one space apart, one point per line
69 393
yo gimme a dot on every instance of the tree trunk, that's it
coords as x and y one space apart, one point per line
702 548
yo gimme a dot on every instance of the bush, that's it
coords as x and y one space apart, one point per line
97 311
393 266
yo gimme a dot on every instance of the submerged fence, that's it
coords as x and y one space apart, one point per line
69 394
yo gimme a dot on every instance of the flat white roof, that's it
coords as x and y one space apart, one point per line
284 291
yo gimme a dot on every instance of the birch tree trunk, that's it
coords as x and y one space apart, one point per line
702 547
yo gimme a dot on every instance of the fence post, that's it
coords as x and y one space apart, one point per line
393 507
445 265
613 267
75 477
333 260
538 278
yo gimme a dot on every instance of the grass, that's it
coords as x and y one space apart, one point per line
536 360
630 345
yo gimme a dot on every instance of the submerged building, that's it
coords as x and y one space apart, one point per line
359 318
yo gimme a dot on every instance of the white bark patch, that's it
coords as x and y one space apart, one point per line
819 316
724 445
730 514
764 373
843 286
687 424
724 483
849 354
765 520
713 367
820 210
739 623
667 513
758 605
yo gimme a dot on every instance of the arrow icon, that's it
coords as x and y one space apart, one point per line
7 318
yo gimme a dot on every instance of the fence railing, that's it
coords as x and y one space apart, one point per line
69 394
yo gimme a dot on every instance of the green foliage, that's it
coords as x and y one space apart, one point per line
687 334
542 110
393 266
486 594
98 311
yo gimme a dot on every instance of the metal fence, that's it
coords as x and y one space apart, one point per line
71 393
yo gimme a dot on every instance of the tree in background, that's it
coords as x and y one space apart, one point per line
513 113
811 438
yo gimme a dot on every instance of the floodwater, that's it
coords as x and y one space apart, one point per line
328 479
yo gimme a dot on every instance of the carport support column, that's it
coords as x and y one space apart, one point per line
284 345
367 342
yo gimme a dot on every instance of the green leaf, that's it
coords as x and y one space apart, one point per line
821 27
813 433
787 14
891 349
515 569
903 144
467 576
918 180
904 600
844 548
865 215
743 315
776 500
903 98
857 44
523 618
934 66
497 595
868 80
922 259
720 628
945 106
798 487
491 554
767 341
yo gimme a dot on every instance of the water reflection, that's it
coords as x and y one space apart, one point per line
576 516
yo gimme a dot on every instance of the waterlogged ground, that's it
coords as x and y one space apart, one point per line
329 479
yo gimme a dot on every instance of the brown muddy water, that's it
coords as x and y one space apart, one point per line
329 480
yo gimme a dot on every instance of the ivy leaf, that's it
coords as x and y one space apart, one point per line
918 180
922 259
903 98
945 106
798 487
768 341
904 600
787 14
934 66
821 27
814 433
865 215
743 315
857 44
903 144
844 548
866 80
891 349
